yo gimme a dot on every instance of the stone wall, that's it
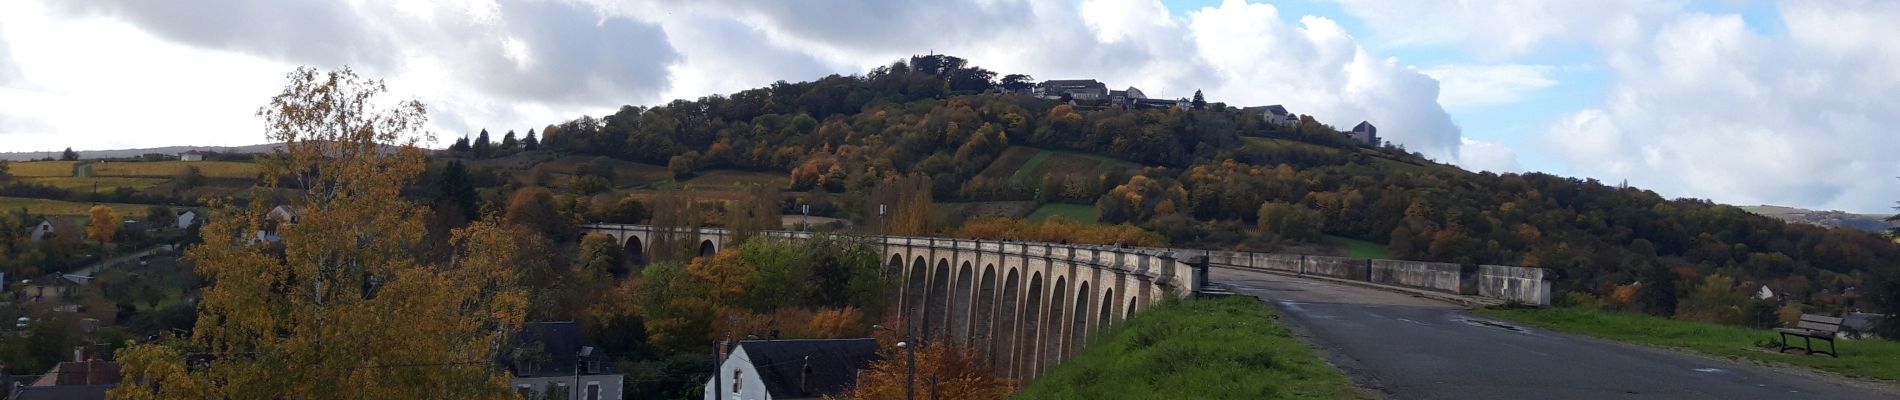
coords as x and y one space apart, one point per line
1425 275
1517 284
1525 285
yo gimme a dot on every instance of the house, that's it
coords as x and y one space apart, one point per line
187 218
1078 89
193 155
555 356
1161 103
1276 115
1765 293
83 378
42 230
1365 134
1125 98
791 369
51 287
278 217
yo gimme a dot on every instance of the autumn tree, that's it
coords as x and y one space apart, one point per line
903 206
756 210
942 371
346 309
1291 221
534 207
599 259
103 225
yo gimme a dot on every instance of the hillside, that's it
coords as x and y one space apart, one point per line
1202 177
1875 223
129 153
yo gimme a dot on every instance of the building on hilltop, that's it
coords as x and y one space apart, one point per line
791 369
86 377
193 155
1126 98
276 219
1276 115
1078 89
554 356
1365 133
41 231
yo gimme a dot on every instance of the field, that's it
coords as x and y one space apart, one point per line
1229 348
1879 359
67 208
735 180
1029 165
1356 248
103 184
1074 212
147 169
1006 209
1279 144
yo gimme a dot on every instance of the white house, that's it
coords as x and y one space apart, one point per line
187 218
193 155
40 231
1078 89
1764 293
554 356
277 218
790 369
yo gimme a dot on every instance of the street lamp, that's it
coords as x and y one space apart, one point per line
910 367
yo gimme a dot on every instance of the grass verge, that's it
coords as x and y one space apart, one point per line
1356 248
1024 173
1874 358
68 208
1074 212
1230 348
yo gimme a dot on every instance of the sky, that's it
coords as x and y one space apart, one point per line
1739 101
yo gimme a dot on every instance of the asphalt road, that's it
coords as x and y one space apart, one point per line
1405 347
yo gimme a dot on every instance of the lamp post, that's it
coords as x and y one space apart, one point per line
910 366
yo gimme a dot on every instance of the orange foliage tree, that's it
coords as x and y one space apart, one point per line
1058 230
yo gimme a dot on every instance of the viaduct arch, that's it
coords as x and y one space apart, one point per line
1024 306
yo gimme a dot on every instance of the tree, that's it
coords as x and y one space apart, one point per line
191 178
757 210
1017 83
1657 296
629 210
103 225
508 142
1200 102
599 260
530 143
460 146
534 207
6 173
903 206
69 155
483 148
455 189
1291 221
346 309
942 372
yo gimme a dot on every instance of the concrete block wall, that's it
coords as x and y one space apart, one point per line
1426 275
1338 267
1525 285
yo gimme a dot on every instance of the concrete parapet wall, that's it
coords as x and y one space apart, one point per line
1338 267
1525 285
1424 275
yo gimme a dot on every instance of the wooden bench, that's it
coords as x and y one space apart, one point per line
1813 327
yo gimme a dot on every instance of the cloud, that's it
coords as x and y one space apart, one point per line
1711 108
1506 28
1487 85
1478 155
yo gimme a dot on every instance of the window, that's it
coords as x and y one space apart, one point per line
738 381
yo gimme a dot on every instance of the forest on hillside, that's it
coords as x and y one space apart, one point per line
1215 176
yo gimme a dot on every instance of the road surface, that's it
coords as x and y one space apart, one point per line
1406 347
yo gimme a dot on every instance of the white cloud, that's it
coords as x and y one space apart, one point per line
1486 85
1505 28
1477 155
1711 108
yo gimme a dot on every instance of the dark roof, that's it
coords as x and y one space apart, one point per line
1365 127
1276 109
72 373
833 364
560 341
73 392
1073 82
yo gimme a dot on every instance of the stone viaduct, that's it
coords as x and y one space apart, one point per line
1025 306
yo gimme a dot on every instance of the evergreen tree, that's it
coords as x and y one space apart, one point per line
460 146
508 141
530 143
1200 102
482 146
455 189
69 155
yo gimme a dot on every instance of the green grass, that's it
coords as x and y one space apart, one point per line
1356 248
1878 359
68 208
104 184
1272 144
1230 348
1074 212
1023 172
